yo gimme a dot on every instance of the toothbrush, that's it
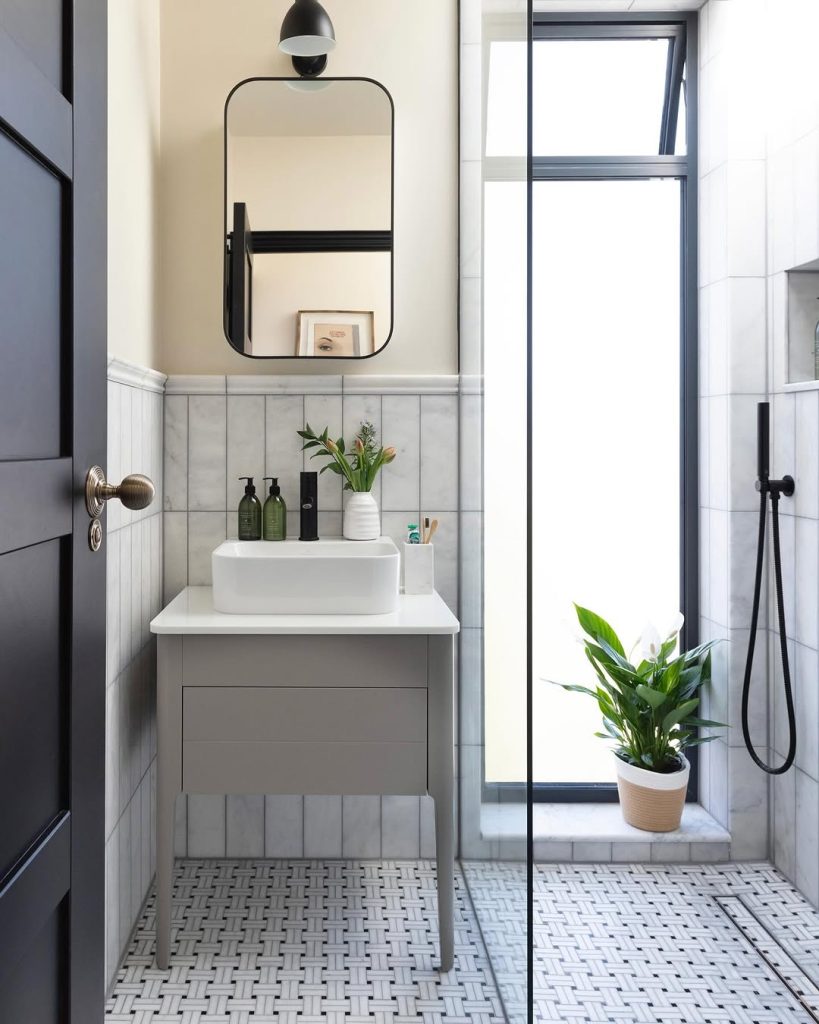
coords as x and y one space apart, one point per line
425 534
432 530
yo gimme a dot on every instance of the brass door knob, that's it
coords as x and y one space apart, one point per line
136 491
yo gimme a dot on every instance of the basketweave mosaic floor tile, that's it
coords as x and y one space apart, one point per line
305 942
700 944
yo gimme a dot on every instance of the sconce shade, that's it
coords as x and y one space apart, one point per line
307 30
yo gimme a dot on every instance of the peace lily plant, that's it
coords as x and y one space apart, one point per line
359 468
649 712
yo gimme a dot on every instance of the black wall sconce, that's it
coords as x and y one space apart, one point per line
307 36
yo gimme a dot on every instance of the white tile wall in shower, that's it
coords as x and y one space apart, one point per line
220 428
133 547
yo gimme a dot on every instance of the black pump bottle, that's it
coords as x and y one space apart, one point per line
308 506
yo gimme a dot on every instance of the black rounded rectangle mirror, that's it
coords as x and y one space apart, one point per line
308 218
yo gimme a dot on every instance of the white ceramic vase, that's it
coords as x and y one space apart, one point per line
361 519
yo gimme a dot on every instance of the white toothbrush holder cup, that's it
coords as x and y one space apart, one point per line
419 569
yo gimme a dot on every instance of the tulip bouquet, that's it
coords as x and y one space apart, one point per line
649 706
360 466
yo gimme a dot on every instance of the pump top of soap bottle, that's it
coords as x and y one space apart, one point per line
274 515
250 513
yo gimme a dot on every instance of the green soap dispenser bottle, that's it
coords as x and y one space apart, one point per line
274 515
250 513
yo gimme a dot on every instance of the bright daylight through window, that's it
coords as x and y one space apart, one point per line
608 231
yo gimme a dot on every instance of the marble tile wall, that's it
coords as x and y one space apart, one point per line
220 428
133 547
732 347
792 165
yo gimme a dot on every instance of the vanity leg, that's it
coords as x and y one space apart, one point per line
441 674
168 782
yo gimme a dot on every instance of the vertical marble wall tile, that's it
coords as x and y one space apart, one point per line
805 671
361 827
207 425
322 411
807 590
401 480
471 455
176 453
428 833
175 550
125 589
784 825
330 524
245 446
807 837
284 415
358 409
400 827
112 946
471 566
126 426
470 686
245 826
113 469
322 826
180 826
806 470
112 757
206 531
439 452
206 825
284 826
123 833
112 604
446 556
748 822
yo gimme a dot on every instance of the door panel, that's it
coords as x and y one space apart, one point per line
36 26
52 587
33 781
30 298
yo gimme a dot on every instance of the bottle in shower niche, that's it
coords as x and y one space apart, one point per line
274 513
250 513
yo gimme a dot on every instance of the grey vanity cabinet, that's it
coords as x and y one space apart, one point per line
337 713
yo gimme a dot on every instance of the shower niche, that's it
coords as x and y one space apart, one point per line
803 323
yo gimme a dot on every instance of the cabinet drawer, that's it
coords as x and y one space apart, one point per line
314 714
355 661
331 768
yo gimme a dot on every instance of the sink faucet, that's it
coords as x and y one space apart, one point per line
308 507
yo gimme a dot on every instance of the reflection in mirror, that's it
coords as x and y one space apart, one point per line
308 217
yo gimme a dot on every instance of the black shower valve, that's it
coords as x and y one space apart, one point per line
777 488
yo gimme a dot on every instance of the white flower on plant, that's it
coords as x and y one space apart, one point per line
651 640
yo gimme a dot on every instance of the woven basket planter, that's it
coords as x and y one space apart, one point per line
652 801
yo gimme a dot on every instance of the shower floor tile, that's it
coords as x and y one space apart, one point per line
721 943
305 942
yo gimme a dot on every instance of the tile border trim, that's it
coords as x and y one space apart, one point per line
123 372
304 384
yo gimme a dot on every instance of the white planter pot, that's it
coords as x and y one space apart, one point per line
361 519
652 801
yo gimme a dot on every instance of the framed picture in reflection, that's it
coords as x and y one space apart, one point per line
335 332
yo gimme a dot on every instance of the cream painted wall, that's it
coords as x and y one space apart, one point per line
207 47
133 180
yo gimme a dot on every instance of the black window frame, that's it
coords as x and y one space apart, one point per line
681 74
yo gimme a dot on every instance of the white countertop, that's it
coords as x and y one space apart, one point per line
191 613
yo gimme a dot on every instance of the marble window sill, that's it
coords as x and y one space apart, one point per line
593 823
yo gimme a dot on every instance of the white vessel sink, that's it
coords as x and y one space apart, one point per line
325 577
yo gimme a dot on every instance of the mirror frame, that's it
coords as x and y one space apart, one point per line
225 217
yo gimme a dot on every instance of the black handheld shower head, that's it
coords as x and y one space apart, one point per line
763 441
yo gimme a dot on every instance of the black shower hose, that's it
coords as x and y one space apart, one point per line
780 609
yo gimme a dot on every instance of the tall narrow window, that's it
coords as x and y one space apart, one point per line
613 403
